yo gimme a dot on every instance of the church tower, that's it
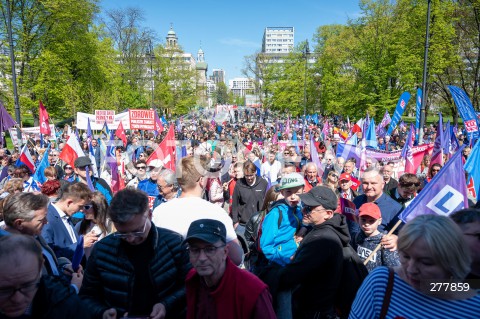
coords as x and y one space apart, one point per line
172 40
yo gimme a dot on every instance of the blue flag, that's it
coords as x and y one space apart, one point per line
401 106
465 108
39 178
417 114
473 169
444 194
370 135
295 142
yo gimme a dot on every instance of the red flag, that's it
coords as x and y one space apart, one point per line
44 123
71 151
348 209
165 151
120 133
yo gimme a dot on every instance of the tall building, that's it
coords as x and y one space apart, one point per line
218 75
278 40
241 86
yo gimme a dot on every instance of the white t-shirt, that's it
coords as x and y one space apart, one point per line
177 215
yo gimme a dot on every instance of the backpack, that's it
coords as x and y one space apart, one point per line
353 274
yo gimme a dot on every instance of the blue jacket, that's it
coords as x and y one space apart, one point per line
57 236
278 243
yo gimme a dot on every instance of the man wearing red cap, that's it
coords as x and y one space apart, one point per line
367 240
345 189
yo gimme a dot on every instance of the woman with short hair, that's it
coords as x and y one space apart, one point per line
430 281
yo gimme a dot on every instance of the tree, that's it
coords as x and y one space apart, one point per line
220 96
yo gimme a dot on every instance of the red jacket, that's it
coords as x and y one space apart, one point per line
235 295
308 186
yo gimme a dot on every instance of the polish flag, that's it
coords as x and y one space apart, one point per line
71 151
44 121
165 151
26 159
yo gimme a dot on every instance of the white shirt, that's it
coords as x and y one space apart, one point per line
177 215
271 171
67 225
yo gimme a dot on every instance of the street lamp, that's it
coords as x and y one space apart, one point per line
307 51
424 82
14 73
151 55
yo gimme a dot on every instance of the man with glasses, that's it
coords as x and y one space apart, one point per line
406 190
55 162
149 185
167 186
316 268
140 269
59 233
24 292
216 288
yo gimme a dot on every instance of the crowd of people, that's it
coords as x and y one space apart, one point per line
250 224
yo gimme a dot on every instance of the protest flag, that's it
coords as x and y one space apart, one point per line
472 167
39 178
407 151
89 179
401 106
158 125
417 113
315 159
466 110
44 120
25 158
71 151
444 194
120 133
165 151
111 161
437 154
370 137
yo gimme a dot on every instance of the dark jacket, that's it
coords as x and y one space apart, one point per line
383 257
56 299
109 276
317 266
246 199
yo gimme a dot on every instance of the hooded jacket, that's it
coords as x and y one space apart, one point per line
247 200
317 266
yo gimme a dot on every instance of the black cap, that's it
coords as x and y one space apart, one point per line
82 161
320 195
209 230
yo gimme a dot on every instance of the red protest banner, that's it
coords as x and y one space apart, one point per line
142 119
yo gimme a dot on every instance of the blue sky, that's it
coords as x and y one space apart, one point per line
228 31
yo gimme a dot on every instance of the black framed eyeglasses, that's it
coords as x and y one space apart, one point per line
209 250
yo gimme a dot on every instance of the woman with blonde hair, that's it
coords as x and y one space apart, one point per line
430 281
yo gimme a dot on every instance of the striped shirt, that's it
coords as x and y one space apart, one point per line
406 302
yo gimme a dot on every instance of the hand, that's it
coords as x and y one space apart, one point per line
89 239
77 279
389 242
110 314
235 225
158 311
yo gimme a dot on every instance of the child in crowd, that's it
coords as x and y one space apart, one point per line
367 240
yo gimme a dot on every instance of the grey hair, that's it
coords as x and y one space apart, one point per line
170 178
23 206
309 164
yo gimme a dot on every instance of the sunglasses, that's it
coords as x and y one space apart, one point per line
334 175
409 184
68 167
87 207
141 167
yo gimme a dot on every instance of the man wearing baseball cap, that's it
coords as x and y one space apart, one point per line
82 165
345 189
317 266
215 287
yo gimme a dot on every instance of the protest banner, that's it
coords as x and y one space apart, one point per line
82 121
142 119
26 131
107 116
